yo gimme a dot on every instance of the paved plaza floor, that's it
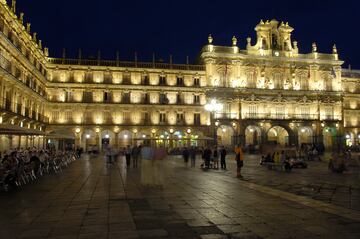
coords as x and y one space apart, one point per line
91 199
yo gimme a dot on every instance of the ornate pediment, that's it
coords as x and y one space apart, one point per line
279 98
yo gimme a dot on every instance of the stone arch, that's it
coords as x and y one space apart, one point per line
279 135
329 135
107 138
252 135
225 135
89 140
125 138
305 135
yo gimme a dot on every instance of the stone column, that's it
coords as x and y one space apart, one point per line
26 141
98 140
77 140
10 141
116 140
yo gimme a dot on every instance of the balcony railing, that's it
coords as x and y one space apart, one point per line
5 64
16 108
132 64
280 116
226 116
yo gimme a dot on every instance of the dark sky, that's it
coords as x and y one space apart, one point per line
181 28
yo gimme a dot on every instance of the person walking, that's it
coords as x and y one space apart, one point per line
135 155
207 157
128 156
216 158
193 156
185 154
239 158
223 154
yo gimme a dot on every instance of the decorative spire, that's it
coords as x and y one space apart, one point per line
35 37
248 40
314 47
334 50
46 51
28 27
295 43
40 44
262 22
21 19
210 39
13 6
234 41
117 58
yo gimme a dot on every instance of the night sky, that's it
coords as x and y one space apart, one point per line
181 28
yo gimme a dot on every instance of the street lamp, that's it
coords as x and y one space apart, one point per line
213 106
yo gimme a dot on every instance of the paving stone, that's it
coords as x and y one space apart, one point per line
92 200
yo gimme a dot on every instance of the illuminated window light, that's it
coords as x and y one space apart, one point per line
126 136
88 136
107 136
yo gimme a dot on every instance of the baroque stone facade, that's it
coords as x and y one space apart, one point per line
270 92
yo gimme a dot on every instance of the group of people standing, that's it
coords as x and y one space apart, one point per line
211 157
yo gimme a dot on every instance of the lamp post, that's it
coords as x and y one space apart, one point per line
213 106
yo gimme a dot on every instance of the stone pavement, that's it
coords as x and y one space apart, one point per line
315 182
93 200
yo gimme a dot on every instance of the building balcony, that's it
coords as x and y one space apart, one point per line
226 116
16 110
289 116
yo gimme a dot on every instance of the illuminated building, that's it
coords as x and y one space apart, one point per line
269 92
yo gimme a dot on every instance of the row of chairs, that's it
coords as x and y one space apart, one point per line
25 173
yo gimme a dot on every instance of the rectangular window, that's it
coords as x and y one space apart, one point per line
126 98
162 80
179 81
145 118
163 99
106 97
196 99
180 118
178 99
126 79
162 118
87 97
145 80
196 82
197 119
253 110
68 96
146 98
